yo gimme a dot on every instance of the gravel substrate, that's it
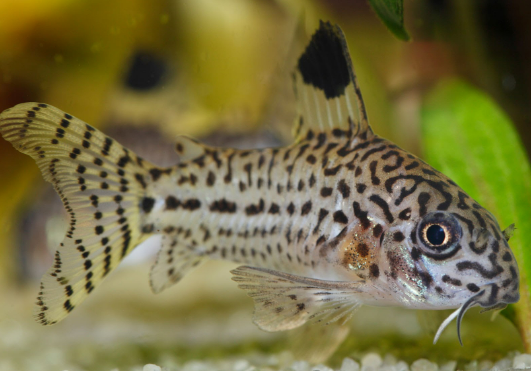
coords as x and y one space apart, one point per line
370 362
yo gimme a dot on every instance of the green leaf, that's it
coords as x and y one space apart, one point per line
391 13
468 137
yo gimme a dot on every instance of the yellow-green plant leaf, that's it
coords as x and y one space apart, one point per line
470 139
391 13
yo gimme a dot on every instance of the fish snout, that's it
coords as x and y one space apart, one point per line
497 266
497 296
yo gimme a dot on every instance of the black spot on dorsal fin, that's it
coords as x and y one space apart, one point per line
328 96
324 63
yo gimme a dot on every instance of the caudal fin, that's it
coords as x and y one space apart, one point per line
100 183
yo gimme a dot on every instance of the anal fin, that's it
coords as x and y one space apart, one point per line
174 260
284 301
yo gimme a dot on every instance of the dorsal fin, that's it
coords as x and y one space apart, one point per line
328 95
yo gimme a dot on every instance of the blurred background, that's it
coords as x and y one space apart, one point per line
145 71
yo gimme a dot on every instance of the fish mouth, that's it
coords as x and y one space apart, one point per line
487 301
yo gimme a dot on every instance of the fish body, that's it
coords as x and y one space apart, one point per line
340 218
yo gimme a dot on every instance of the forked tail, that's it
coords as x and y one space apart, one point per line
100 183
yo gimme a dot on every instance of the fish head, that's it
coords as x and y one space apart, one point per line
451 251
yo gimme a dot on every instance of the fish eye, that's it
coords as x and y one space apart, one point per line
436 234
439 234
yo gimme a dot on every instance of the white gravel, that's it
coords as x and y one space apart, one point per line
370 361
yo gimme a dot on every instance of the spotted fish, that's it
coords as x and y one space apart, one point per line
339 218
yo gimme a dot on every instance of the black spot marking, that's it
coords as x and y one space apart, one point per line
423 201
147 204
330 147
248 168
274 209
254 209
468 222
228 176
468 265
140 179
306 207
330 74
415 254
480 219
326 191
69 291
462 201
372 151
361 215
362 249
372 167
398 236
332 171
412 165
343 188
405 214
374 271
322 214
223 206
172 203
340 217
87 264
507 256
383 205
291 208
377 230
312 180
211 179
472 287
451 281
321 139
155 174
68 306
99 229
360 187
426 278
191 204
94 200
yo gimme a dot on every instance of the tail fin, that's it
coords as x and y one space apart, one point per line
100 183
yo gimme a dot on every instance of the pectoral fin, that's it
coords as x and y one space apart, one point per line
284 301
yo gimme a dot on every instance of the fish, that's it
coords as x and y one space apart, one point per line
338 219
